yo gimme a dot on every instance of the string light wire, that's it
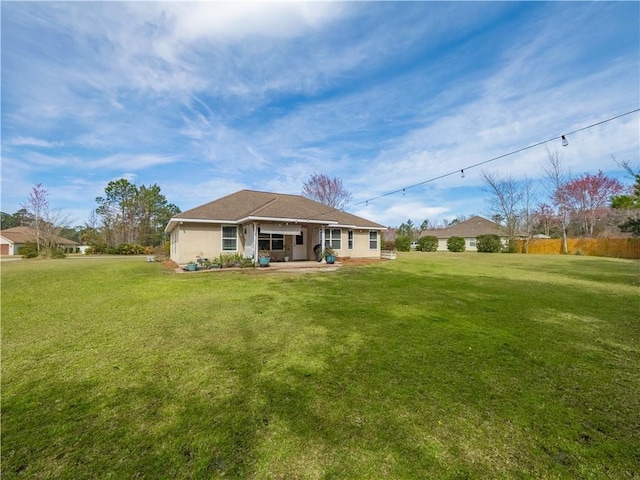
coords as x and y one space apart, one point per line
457 171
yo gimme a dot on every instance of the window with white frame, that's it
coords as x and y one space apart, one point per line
229 238
350 239
373 240
332 238
472 242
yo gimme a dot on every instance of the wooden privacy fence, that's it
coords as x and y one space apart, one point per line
598 247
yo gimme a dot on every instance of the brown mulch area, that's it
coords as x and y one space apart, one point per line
170 264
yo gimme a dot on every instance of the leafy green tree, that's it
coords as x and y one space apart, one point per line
406 229
631 204
8 221
118 210
133 215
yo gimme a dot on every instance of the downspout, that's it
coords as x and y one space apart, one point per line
255 244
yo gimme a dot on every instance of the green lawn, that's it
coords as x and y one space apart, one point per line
432 366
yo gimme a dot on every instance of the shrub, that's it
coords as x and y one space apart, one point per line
28 250
511 247
428 243
403 243
388 245
130 249
57 253
97 248
456 244
488 243
231 260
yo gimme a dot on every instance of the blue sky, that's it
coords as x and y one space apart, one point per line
205 99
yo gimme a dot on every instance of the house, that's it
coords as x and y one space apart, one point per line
12 239
285 225
469 230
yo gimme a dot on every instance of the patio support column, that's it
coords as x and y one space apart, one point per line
256 249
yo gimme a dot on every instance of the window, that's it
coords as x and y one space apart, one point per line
373 240
332 238
472 242
350 238
229 239
270 241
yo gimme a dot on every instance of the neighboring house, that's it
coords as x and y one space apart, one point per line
285 225
12 239
469 230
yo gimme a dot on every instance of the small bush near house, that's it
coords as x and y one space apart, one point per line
456 244
403 243
428 243
388 245
231 260
488 243
29 250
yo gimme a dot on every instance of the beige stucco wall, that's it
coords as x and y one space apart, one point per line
442 245
360 244
191 240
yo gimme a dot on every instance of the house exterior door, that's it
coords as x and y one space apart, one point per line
300 245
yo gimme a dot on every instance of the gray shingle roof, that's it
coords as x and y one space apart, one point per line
469 229
251 204
27 234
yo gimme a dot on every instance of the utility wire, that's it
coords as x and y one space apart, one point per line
469 167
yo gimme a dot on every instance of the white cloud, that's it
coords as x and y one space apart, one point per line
32 142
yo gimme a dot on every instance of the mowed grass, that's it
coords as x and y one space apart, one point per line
434 366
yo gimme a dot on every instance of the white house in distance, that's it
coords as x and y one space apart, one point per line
285 225
469 230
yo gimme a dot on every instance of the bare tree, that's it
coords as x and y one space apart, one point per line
557 178
526 213
506 199
45 221
328 191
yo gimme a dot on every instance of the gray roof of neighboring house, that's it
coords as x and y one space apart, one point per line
469 229
248 205
28 234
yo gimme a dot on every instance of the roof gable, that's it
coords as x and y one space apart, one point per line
250 204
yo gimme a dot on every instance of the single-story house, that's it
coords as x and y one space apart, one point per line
288 226
12 239
469 230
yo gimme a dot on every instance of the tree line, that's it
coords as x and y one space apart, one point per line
588 205
126 214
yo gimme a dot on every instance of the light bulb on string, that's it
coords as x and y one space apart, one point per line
462 173
565 142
